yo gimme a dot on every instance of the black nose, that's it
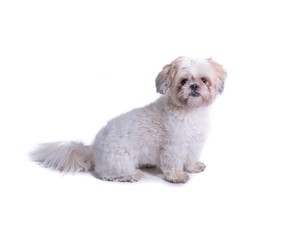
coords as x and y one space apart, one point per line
194 86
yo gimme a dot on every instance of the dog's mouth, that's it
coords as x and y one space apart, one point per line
194 94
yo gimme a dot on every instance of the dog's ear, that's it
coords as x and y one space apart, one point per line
221 75
163 80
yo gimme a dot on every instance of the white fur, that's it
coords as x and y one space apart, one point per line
63 156
168 133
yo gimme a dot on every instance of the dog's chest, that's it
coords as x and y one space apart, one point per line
190 125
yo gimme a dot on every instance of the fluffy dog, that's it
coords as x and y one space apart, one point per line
168 133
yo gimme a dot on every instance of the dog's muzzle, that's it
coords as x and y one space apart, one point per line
194 87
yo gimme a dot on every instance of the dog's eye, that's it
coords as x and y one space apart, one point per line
204 80
183 81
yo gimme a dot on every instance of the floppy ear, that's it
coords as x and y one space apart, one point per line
220 73
162 80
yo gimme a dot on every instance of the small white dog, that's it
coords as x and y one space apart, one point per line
168 133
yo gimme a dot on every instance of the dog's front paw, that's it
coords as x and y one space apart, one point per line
195 167
176 176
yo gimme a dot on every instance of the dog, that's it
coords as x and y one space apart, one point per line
168 134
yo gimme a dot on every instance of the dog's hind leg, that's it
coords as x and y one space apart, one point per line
118 167
128 178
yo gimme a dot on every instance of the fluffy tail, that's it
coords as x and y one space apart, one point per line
64 156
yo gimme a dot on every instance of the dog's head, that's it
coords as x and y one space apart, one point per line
191 83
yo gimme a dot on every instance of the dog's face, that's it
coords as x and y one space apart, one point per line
191 83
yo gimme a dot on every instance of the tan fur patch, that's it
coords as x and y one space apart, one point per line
221 74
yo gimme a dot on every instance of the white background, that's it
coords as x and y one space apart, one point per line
67 67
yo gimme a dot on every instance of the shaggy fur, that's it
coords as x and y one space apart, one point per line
168 133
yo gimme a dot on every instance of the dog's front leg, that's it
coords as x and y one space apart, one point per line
192 163
172 165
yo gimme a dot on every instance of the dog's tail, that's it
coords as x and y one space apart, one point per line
64 156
